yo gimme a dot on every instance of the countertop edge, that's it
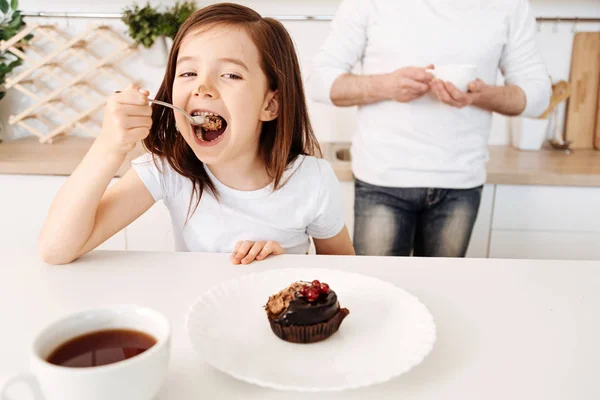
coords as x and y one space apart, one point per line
507 166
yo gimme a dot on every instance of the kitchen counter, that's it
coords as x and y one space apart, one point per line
510 166
29 157
507 165
518 329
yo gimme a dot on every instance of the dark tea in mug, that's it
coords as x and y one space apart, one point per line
101 348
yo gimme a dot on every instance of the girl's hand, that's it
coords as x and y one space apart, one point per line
127 120
247 251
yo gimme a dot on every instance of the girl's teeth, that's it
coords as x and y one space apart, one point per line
202 113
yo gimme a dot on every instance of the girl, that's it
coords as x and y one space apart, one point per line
246 182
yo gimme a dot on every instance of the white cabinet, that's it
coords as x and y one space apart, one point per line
24 203
546 222
541 222
547 208
545 245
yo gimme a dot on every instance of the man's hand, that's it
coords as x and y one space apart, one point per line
408 83
449 94
247 251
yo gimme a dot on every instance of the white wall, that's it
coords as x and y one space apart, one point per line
330 124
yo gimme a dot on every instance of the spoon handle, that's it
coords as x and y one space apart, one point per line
162 103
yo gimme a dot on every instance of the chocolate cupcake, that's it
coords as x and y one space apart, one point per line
305 312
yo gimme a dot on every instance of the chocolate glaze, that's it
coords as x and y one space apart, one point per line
303 312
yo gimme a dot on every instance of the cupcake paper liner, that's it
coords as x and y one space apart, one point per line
310 333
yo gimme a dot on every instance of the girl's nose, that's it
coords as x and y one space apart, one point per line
205 91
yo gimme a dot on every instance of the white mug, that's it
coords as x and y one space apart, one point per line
137 378
460 75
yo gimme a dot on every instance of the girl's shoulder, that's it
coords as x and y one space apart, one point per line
149 160
158 165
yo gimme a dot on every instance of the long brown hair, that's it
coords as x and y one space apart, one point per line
281 140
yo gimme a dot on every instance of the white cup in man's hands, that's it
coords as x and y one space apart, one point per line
460 75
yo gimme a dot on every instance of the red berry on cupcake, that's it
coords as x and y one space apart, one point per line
304 290
312 290
312 294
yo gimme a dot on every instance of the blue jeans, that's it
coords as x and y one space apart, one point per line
427 221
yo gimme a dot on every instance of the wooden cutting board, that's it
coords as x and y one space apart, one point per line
585 80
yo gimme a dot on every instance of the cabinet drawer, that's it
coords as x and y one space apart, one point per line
545 245
547 208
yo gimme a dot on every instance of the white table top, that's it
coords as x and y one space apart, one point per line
507 329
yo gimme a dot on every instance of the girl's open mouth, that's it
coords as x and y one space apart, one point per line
214 126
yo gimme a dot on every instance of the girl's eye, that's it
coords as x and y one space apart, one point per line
187 74
232 76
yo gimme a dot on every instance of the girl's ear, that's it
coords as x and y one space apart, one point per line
270 109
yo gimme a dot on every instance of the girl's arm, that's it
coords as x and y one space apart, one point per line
84 214
340 244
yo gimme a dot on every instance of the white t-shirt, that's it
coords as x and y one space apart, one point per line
425 143
309 204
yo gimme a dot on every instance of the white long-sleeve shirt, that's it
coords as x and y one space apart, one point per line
426 143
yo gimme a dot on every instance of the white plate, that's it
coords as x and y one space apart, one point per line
388 332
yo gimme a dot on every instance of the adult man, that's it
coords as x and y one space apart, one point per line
420 147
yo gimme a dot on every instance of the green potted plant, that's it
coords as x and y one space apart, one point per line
150 28
175 16
11 22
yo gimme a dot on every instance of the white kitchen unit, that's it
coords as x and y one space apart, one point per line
24 203
549 222
514 221
547 208
26 199
545 245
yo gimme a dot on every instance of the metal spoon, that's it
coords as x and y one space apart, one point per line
194 119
